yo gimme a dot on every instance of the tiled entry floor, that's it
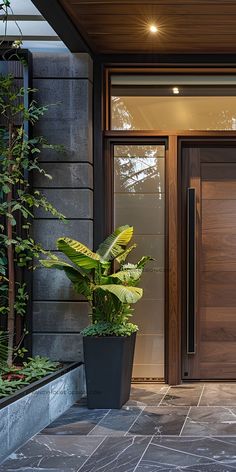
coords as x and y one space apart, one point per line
187 428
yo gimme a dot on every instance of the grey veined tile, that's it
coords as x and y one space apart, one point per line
116 422
210 421
183 395
52 453
219 395
160 421
147 394
191 454
76 420
117 455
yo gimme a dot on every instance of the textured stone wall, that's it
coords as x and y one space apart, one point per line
64 80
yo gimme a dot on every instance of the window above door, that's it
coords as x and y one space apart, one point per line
173 102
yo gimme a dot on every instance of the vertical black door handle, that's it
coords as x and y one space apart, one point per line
191 271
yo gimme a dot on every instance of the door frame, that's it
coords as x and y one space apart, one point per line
173 250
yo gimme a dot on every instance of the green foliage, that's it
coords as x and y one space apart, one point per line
37 367
14 378
3 348
110 295
116 243
9 387
19 159
110 329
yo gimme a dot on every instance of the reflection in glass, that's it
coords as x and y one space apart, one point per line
148 102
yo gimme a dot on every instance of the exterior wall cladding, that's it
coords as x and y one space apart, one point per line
65 81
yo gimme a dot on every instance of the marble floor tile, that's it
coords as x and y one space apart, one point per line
117 422
52 453
117 455
183 395
147 394
210 421
221 394
159 421
76 420
191 454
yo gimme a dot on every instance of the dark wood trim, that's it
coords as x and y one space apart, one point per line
178 64
63 25
166 133
160 69
173 318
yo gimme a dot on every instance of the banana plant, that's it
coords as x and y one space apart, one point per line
109 293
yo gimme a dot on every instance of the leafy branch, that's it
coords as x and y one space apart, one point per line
19 158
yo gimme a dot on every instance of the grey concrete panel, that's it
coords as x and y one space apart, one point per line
60 316
52 284
75 139
62 65
58 347
68 121
65 175
65 391
65 99
72 203
46 234
27 416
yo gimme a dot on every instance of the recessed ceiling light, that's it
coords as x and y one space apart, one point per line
175 90
153 28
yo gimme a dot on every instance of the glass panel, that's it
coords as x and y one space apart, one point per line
139 200
129 207
139 174
173 102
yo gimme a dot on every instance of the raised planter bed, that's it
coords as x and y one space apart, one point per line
32 408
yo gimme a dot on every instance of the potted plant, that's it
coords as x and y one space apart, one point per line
109 340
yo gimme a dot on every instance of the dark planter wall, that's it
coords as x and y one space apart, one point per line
65 81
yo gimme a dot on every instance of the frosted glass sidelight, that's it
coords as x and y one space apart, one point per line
139 200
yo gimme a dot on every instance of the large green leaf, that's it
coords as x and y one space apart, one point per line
127 276
123 256
72 273
115 244
143 261
79 254
123 293
80 282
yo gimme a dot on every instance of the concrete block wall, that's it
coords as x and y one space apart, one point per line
65 82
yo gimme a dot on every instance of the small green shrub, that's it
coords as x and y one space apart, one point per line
15 377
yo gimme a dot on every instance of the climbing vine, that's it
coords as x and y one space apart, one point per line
19 159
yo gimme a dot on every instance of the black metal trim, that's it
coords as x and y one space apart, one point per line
191 271
98 158
173 60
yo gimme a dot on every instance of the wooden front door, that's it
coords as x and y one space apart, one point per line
209 260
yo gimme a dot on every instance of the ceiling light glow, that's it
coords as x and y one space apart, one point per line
153 28
175 90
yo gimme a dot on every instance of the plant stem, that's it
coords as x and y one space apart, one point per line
11 269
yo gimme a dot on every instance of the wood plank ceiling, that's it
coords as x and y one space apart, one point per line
185 26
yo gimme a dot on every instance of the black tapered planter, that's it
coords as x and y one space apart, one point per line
108 369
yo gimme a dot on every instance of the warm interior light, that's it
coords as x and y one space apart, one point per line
175 90
153 29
